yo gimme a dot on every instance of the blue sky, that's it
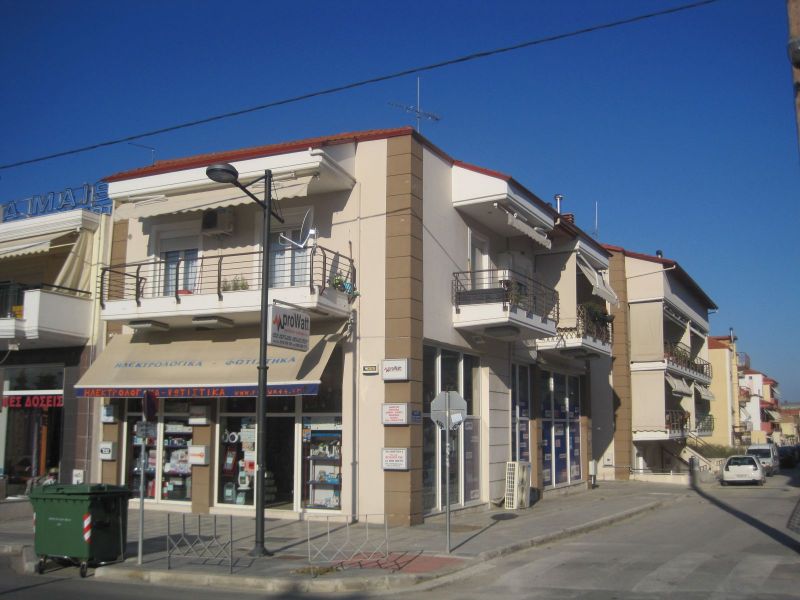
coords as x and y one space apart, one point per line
681 129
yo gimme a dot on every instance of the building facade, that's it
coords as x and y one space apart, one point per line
51 247
661 373
420 274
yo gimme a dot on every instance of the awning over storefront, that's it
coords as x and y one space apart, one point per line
679 386
600 287
705 393
31 244
191 364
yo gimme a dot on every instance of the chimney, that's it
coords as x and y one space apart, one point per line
568 218
558 198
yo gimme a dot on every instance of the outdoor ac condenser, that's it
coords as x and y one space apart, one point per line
518 485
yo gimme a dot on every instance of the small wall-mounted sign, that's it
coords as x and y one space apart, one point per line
395 413
369 369
108 450
198 455
108 414
394 459
198 414
394 369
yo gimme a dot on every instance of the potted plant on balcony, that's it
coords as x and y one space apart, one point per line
341 283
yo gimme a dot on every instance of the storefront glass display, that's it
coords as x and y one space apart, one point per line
322 462
560 438
448 370
237 458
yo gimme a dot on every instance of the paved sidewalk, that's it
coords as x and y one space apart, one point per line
415 555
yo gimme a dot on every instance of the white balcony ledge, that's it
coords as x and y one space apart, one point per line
48 319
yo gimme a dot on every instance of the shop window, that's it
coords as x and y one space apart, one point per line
176 473
447 370
237 457
322 462
560 437
21 379
520 412
281 404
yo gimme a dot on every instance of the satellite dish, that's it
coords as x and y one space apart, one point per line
308 235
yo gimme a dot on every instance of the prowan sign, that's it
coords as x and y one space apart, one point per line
288 328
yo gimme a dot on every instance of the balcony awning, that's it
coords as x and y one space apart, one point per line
600 287
31 244
532 232
193 364
705 392
776 416
678 385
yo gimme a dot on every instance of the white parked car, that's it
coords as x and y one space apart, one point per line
767 455
742 469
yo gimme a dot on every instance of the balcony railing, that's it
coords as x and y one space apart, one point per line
316 268
589 323
704 425
12 296
677 422
508 287
680 355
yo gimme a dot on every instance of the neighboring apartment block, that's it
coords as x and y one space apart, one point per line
50 250
725 390
419 274
661 372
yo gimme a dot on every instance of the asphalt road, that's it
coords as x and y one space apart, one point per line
726 543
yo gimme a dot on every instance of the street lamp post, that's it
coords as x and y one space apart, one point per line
226 173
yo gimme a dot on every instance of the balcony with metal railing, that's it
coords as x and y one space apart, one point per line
704 425
227 285
503 304
677 423
43 315
679 358
590 337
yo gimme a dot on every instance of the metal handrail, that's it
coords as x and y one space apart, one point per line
680 355
507 287
317 267
589 324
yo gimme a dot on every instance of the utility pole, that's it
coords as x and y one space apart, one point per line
793 9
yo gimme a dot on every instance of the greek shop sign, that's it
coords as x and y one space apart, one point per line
43 401
288 328
86 197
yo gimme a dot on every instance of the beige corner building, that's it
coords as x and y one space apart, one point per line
419 274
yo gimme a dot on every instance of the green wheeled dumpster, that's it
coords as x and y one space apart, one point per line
85 524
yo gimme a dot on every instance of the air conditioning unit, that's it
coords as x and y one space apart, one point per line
217 221
518 485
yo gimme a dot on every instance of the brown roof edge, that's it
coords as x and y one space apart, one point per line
201 160
679 270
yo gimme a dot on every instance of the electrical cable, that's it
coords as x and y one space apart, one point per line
365 82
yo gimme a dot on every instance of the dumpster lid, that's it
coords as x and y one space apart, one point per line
83 489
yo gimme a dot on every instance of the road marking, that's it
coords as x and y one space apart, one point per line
749 574
666 577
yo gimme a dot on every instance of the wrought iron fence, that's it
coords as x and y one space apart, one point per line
704 424
342 539
680 355
504 286
191 541
589 323
677 421
316 268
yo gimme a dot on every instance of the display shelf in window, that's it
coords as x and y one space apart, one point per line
322 468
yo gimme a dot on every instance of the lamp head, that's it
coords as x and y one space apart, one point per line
222 173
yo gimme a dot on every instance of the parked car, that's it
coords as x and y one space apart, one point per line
787 456
742 469
767 455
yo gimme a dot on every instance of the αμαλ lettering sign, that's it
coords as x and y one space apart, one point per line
43 401
288 328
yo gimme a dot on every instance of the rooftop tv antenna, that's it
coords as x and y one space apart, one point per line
152 151
417 110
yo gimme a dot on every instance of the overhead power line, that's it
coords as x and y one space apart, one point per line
365 82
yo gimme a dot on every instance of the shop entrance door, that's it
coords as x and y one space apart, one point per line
279 479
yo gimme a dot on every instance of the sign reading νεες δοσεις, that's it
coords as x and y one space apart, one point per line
43 401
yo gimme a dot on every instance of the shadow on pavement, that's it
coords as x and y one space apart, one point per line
496 518
775 534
